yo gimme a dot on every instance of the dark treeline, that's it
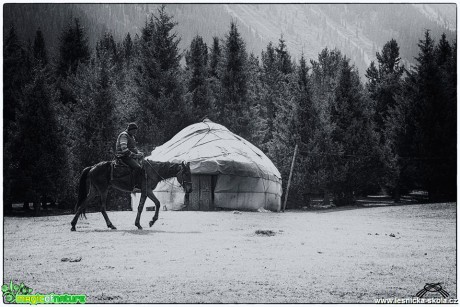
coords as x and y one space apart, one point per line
393 133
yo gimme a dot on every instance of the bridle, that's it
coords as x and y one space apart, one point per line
182 181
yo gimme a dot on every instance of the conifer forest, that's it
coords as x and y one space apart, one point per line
390 130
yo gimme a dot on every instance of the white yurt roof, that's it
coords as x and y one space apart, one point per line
213 149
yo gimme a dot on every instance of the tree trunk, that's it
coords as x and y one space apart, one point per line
26 206
397 193
327 198
36 206
8 207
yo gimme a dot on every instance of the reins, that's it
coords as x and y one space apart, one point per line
163 179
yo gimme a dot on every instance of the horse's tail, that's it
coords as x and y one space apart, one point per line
82 191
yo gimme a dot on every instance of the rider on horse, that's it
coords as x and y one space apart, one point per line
126 149
97 179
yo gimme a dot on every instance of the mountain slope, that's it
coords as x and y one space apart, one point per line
358 30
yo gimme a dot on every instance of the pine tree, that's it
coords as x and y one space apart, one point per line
198 87
324 78
372 75
73 49
353 130
214 75
95 125
233 105
258 126
438 120
39 48
40 168
107 47
160 92
443 51
215 57
283 58
307 126
385 83
281 105
325 74
306 181
128 47
272 81
384 86
425 100
15 76
432 150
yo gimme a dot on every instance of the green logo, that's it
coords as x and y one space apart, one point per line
21 294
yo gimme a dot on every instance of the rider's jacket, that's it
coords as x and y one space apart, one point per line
126 145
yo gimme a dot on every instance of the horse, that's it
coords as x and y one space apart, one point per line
99 179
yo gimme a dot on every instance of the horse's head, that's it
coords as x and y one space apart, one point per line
184 177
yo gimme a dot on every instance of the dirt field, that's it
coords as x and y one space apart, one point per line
332 256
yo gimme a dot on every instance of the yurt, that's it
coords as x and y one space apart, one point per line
228 172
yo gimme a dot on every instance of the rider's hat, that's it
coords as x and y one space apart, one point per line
132 126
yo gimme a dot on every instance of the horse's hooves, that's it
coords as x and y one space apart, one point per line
112 227
151 223
139 227
73 228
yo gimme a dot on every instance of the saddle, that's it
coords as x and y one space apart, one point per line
122 174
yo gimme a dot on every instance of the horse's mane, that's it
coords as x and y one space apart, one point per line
103 163
165 169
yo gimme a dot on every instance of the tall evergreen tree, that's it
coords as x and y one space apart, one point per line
198 88
372 75
384 86
433 143
73 49
215 64
128 47
107 47
385 82
39 48
324 79
40 168
308 114
272 81
353 130
325 72
283 57
160 92
15 76
94 125
215 57
443 51
233 105
307 126
258 126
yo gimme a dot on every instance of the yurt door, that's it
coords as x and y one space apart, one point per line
201 196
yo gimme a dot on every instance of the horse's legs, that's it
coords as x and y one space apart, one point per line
104 213
82 207
157 207
139 209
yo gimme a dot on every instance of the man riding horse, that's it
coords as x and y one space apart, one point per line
126 149
97 179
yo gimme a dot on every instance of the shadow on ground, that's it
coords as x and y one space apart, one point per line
138 232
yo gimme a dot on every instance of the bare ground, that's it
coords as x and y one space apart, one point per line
331 256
